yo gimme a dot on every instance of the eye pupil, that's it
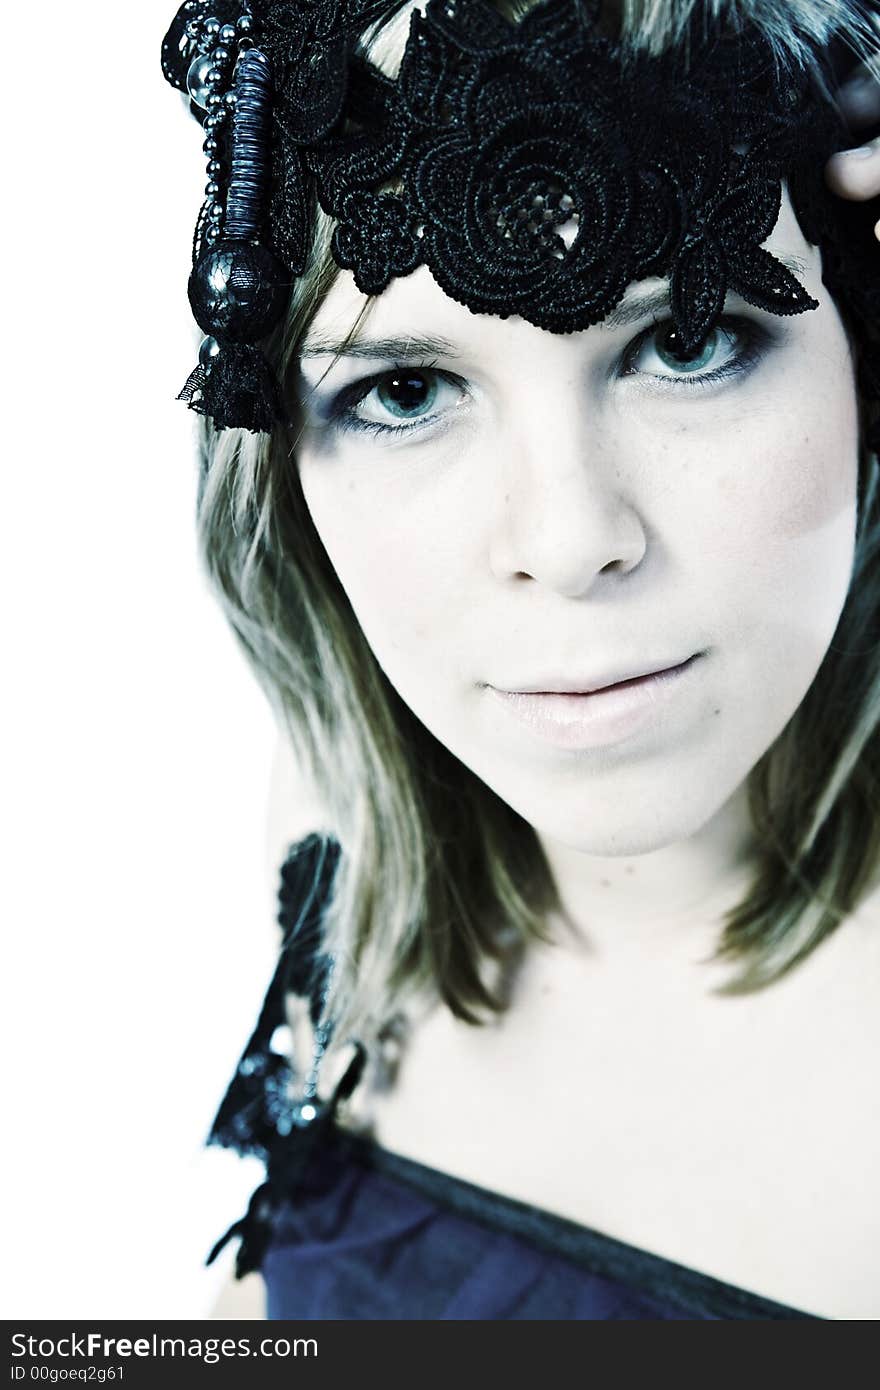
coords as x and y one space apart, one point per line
406 393
671 343
669 348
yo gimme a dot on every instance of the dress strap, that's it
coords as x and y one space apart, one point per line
253 1110
286 1165
258 1114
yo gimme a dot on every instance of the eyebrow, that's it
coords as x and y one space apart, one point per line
410 348
655 301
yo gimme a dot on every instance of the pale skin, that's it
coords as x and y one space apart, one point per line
557 514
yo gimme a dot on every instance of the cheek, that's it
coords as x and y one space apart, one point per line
778 542
793 481
399 547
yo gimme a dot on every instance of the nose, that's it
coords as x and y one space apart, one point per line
567 512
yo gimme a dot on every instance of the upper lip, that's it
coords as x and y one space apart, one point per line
588 685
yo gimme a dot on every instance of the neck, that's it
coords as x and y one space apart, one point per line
675 895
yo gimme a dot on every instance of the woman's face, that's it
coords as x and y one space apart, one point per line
508 508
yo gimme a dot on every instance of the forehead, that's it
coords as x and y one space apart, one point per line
415 306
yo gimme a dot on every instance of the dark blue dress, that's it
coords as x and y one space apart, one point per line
343 1228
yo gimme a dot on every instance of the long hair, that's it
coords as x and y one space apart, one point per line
440 885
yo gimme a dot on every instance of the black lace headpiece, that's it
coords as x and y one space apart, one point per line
537 167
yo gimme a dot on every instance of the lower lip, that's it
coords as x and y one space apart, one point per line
604 717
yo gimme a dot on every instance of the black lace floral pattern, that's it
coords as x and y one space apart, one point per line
536 174
309 44
538 167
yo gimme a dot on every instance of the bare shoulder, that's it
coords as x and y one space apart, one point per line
839 980
241 1299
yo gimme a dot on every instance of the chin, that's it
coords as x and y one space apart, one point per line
625 836
642 813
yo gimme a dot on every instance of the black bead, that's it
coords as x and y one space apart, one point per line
237 289
208 351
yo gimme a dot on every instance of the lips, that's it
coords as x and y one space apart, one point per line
620 677
607 715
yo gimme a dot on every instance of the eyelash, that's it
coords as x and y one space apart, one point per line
341 415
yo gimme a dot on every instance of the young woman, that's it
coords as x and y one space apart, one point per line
572 628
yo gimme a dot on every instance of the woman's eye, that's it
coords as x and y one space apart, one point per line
406 401
397 400
728 349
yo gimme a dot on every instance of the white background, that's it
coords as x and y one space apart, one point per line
137 903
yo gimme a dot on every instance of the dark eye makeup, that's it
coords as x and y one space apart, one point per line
408 392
